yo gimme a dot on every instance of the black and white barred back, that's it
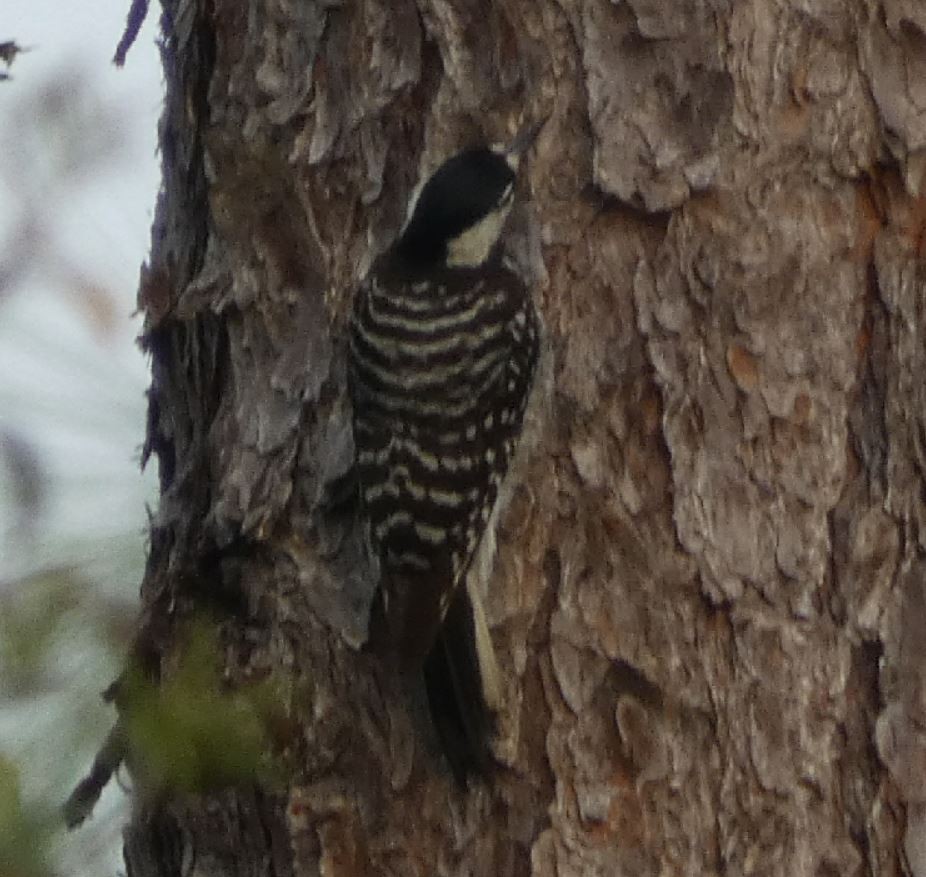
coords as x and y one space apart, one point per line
441 365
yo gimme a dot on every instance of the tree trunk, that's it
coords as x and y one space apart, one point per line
709 599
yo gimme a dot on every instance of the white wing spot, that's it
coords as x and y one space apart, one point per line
429 534
447 498
371 494
399 518
416 491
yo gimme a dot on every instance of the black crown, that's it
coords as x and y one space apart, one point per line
461 192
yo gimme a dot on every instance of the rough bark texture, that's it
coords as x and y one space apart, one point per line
709 600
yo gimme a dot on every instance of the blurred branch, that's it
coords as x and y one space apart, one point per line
28 480
26 240
9 49
82 800
138 11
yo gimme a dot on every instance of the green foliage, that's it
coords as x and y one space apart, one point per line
30 617
23 834
190 734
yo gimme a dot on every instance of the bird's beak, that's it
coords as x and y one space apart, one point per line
523 141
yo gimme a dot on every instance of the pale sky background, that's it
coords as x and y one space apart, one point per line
72 378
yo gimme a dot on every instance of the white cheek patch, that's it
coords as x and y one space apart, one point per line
512 159
472 248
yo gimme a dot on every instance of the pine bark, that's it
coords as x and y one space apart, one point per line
709 599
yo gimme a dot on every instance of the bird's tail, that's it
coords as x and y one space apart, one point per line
462 684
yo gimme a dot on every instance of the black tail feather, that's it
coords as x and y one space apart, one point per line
464 722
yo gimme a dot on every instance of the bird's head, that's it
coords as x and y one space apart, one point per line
458 216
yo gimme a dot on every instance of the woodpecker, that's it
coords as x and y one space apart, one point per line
443 349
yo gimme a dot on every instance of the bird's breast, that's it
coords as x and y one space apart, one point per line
415 346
